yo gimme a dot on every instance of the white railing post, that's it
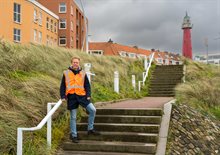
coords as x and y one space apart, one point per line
87 67
19 141
143 75
139 85
39 126
49 130
133 82
116 81
145 63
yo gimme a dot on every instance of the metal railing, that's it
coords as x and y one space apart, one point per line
47 118
145 74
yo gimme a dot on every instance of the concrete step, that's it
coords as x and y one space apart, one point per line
121 136
161 92
161 89
96 153
125 119
127 111
167 77
161 95
116 127
125 147
162 85
165 80
169 66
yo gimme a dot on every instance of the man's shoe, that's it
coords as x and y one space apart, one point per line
93 132
74 139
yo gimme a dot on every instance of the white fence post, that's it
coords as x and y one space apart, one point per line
139 85
145 63
49 137
143 75
133 82
19 141
87 67
39 126
116 81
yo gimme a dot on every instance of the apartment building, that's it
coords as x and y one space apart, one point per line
72 27
110 48
25 21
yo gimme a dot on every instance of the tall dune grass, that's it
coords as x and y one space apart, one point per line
202 87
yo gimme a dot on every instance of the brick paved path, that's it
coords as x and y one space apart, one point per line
146 102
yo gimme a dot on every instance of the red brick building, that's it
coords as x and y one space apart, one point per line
110 48
72 27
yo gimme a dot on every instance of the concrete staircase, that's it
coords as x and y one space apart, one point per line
164 79
123 132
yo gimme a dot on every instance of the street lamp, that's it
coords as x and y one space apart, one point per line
86 34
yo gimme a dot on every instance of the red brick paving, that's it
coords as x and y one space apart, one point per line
146 102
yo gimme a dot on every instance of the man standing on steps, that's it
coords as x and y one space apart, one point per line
75 88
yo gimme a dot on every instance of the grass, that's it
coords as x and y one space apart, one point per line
202 87
30 78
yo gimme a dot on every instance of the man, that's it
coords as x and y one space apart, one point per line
75 88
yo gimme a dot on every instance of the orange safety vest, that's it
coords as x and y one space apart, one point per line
75 83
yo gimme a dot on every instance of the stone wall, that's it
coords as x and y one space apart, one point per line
192 133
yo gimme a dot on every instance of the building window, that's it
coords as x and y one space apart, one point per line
17 35
122 54
71 26
62 41
40 37
40 18
62 8
48 23
35 15
159 60
71 10
51 25
62 24
96 52
132 55
55 41
48 40
17 13
35 35
55 27
51 41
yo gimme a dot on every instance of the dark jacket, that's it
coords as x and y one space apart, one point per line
73 100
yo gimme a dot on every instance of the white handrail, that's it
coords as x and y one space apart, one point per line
47 119
148 68
145 74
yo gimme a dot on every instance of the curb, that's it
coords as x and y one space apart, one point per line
164 128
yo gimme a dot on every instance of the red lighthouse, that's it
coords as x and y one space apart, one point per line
187 44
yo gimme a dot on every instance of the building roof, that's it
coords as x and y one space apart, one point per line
43 8
114 48
110 48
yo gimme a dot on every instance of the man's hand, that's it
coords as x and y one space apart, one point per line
88 98
63 99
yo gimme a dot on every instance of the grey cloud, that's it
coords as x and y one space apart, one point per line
154 23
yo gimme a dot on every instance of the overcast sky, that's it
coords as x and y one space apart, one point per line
154 23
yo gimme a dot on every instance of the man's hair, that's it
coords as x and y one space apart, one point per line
75 58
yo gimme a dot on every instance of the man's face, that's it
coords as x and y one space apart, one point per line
75 63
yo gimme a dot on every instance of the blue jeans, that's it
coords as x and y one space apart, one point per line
92 111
